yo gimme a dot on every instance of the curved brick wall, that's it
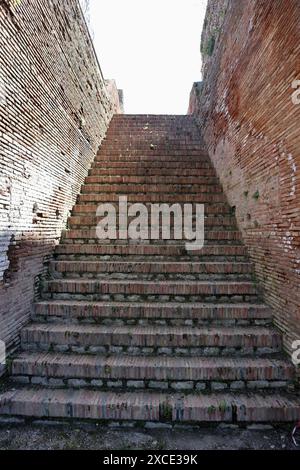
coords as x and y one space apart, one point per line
54 111
251 128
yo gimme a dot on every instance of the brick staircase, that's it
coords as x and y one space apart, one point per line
148 331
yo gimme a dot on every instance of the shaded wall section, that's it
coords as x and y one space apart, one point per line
54 111
250 121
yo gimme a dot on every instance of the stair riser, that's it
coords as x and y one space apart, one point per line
85 211
150 188
135 137
167 198
152 268
132 258
179 314
213 237
183 351
212 224
131 169
109 297
153 272
149 292
130 321
161 369
151 277
132 288
123 385
143 252
151 172
145 153
141 164
150 344
149 409
157 180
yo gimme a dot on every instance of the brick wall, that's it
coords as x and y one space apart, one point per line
54 111
251 128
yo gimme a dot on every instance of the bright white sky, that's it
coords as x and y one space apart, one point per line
151 48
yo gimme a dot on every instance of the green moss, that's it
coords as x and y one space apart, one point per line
209 47
223 406
256 195
166 412
8 363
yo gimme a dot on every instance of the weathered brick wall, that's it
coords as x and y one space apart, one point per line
54 111
251 128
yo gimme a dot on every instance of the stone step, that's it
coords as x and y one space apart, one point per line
200 198
190 270
136 290
147 340
147 179
152 136
121 120
76 236
160 372
125 188
155 251
89 210
211 238
148 136
213 222
151 172
150 407
147 164
143 136
155 150
153 313
163 155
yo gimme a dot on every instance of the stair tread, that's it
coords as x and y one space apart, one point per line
109 310
151 330
161 263
147 283
153 362
150 406
157 304
175 246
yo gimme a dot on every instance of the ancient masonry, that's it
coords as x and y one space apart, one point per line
250 127
146 331
55 107
149 332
